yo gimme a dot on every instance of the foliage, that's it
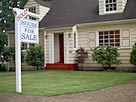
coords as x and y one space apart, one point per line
9 54
133 55
6 15
6 53
3 42
106 56
81 55
35 56
4 66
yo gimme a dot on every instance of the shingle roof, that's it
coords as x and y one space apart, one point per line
41 2
67 13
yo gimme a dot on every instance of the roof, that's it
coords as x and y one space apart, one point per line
41 2
67 13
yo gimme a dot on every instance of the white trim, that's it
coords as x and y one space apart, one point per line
66 47
44 48
106 22
74 31
110 12
49 47
56 28
97 38
52 37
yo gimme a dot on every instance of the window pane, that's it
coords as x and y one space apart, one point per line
106 1
114 0
100 41
100 37
24 46
31 45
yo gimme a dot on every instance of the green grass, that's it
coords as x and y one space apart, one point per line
52 83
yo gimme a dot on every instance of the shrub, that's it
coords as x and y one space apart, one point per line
106 56
35 56
6 53
4 66
133 55
81 55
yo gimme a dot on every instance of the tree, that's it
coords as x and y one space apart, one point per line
133 55
35 56
106 56
81 55
3 42
6 15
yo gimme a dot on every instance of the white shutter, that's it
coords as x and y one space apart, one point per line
125 38
92 39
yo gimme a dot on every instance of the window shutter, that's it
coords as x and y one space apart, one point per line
92 39
125 34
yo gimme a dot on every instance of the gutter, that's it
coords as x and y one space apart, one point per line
106 22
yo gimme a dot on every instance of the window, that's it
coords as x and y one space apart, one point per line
26 46
109 38
110 5
33 10
75 41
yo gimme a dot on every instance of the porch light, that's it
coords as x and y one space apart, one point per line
70 35
46 36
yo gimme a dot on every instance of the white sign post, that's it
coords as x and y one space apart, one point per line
24 31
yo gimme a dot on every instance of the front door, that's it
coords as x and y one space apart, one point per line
61 48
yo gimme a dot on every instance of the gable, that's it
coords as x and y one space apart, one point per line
40 6
31 3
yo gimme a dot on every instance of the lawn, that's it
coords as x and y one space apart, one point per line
52 83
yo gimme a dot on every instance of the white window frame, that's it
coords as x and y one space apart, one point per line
110 12
75 40
33 10
120 42
27 46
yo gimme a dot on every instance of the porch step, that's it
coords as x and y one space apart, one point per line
60 66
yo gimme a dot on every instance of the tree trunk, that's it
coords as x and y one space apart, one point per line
37 67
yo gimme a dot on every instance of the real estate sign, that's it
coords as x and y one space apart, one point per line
29 31
26 30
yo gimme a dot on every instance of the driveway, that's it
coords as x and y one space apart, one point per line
121 93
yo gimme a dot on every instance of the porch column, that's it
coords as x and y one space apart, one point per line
66 43
51 47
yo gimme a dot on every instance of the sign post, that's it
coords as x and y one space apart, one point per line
23 34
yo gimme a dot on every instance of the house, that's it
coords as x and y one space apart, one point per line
66 25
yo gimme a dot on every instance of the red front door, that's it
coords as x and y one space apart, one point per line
61 47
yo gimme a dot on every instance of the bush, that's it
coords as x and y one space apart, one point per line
4 66
6 53
133 55
106 56
35 56
81 55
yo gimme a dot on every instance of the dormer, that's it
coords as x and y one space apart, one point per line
111 6
38 6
